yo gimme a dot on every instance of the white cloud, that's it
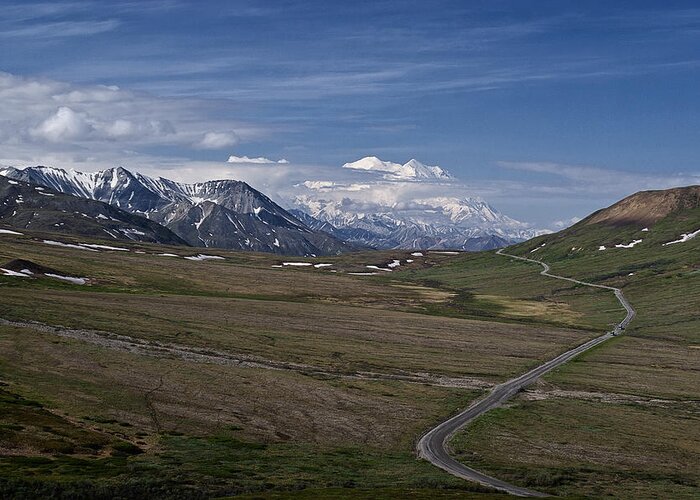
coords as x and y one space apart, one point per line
218 140
584 179
319 185
44 118
260 160
120 128
65 124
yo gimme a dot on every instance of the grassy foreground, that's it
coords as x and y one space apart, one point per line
82 418
619 421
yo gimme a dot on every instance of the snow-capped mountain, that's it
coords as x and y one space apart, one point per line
224 213
25 205
390 205
411 170
465 224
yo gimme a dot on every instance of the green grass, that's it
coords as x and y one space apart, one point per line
622 419
222 430
596 449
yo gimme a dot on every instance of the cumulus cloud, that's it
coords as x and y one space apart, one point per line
64 124
47 118
68 125
260 160
218 140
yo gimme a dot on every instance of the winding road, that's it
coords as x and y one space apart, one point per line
433 446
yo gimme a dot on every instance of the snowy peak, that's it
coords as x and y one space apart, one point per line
372 163
413 205
409 171
221 213
430 223
417 170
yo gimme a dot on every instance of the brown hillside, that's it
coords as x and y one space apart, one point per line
647 207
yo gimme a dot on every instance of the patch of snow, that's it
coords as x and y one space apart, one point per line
68 245
602 247
202 256
299 264
168 255
408 261
7 231
363 274
535 249
684 237
378 268
277 242
12 182
317 266
129 231
628 245
70 279
445 252
103 247
645 229
7 272
417 254
39 188
100 216
394 263
47 194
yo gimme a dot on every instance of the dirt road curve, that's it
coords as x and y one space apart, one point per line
433 445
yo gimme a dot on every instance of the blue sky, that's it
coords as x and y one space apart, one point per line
547 109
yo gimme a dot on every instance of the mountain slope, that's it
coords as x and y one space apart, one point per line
224 213
29 206
648 230
647 207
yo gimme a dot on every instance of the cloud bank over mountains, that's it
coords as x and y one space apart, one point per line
93 127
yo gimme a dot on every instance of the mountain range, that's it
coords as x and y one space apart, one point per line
29 206
324 217
224 214
391 205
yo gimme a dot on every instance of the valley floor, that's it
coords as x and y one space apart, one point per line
167 377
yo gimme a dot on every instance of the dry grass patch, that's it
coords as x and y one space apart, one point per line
547 309
167 395
338 337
